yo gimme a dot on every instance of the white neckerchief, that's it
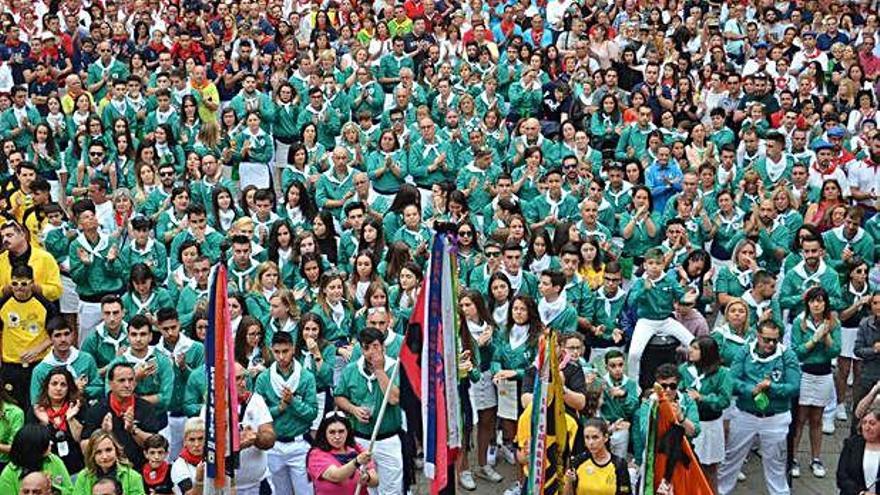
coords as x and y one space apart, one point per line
241 276
725 176
142 306
607 302
163 117
755 357
138 103
331 175
148 247
268 293
79 117
337 312
279 383
654 281
476 329
181 347
548 311
801 270
838 232
812 326
499 314
389 363
162 148
226 218
518 335
744 277
405 301
728 334
734 220
858 293
554 205
53 361
538 265
428 148
515 280
360 290
288 327
760 306
294 214
698 377
775 169
94 252
121 106
610 381
137 361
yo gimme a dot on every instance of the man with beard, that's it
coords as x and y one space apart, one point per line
843 244
810 272
771 235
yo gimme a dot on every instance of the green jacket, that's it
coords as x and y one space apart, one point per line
730 345
540 208
732 281
615 408
861 245
153 255
797 281
83 365
777 237
781 368
328 128
323 374
262 147
779 175
131 481
186 303
526 102
715 390
383 180
194 394
194 358
53 467
633 137
9 123
362 391
422 155
802 332
210 247
133 305
656 303
160 383
296 419
872 226
479 197
284 121
11 421
99 277
261 102
640 241
335 331
102 347
607 310
97 70
155 119
505 357
330 187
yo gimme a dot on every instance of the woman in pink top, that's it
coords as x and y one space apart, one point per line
336 464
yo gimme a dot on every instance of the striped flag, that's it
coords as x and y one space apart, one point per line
430 363
548 444
221 419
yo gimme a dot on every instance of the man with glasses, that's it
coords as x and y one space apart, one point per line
104 71
684 409
432 160
480 275
23 315
766 376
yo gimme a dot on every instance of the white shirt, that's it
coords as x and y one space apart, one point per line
866 178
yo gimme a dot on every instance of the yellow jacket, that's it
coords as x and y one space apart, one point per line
46 272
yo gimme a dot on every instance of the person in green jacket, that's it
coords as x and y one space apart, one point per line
553 207
336 185
708 383
19 129
326 119
144 295
734 334
810 272
844 243
666 377
11 420
639 227
105 457
317 355
254 149
31 451
360 392
634 139
761 300
735 279
144 249
553 307
654 295
109 338
80 364
187 357
289 391
154 372
620 400
250 99
765 377
815 339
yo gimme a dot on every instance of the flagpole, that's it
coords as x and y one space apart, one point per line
381 415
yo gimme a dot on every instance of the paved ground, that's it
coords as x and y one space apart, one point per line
753 485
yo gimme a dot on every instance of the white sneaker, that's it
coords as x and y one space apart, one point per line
795 469
466 480
491 454
516 489
507 454
840 414
828 427
818 468
741 476
488 473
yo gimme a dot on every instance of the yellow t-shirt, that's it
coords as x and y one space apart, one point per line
23 326
593 479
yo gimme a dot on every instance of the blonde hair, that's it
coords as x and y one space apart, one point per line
257 285
192 425
736 301
96 438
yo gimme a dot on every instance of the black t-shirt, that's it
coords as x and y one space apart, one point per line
145 418
574 381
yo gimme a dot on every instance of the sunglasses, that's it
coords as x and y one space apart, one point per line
493 254
465 233
669 386
166 174
96 153
769 340
20 283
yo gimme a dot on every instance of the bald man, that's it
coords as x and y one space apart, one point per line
36 483
106 486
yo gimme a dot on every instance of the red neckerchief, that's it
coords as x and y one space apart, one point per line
58 417
537 35
829 171
190 458
120 406
245 397
816 53
199 87
507 28
155 476
871 163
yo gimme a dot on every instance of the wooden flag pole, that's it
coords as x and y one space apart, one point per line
381 415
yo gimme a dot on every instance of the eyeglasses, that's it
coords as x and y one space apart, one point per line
569 166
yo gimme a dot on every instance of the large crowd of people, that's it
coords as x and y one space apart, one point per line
684 192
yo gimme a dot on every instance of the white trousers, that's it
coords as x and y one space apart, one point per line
89 317
771 432
175 432
645 329
287 463
388 457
